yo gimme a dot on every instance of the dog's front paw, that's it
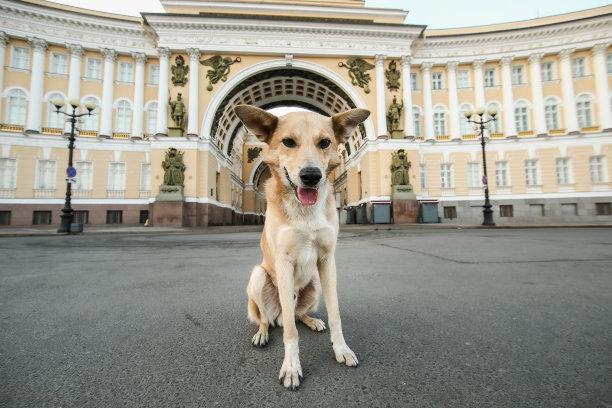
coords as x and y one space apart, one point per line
345 355
260 338
291 373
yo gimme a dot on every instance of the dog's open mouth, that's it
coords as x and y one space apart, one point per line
306 196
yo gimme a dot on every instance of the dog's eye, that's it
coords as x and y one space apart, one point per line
289 142
324 144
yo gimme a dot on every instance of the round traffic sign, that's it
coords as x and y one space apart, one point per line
71 172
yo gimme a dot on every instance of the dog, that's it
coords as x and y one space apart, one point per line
301 229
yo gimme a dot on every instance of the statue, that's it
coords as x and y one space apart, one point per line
357 68
399 169
179 71
393 76
174 168
394 115
220 69
177 111
253 153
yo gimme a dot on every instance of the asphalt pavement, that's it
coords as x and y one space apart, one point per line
437 318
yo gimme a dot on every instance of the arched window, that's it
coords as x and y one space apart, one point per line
521 115
124 116
90 122
551 110
416 121
439 121
16 107
152 118
494 125
467 128
584 106
54 119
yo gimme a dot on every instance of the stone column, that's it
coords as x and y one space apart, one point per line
427 104
106 113
479 83
453 100
537 94
508 98
601 84
34 122
407 96
74 76
162 92
569 100
381 105
3 41
139 81
192 115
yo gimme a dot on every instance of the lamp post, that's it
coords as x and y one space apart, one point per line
68 216
480 122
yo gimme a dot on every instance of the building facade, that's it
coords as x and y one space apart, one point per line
548 152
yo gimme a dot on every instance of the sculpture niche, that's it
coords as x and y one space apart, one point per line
174 176
177 113
405 205
393 119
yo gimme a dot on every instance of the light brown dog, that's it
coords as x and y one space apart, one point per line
299 237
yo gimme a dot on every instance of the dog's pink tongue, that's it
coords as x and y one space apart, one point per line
307 196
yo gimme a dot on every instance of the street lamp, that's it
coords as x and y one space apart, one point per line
487 211
68 216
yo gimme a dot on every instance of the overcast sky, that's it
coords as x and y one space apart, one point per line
432 13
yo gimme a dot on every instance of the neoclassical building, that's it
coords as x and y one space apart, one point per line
548 152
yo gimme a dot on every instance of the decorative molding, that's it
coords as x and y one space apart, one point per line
601 48
3 39
406 59
109 54
426 66
194 53
76 50
380 59
38 44
452 65
535 58
164 53
478 63
566 53
288 60
506 60
139 57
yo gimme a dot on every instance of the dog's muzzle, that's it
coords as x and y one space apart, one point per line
310 177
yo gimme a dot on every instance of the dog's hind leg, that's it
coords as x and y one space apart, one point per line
263 304
308 300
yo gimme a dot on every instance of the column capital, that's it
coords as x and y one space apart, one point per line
380 59
406 59
139 57
3 39
535 58
109 54
479 63
600 48
426 66
76 50
506 60
38 44
164 52
566 53
194 53
452 65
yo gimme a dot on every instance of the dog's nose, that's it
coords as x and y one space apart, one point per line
310 176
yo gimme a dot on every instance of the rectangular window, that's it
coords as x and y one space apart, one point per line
552 116
490 77
145 177
446 175
603 208
81 217
521 118
564 174
93 68
20 57
598 172
5 218
450 212
84 175
506 211
547 71
532 173
585 116
416 122
59 64
41 218
517 75
45 177
423 175
501 174
440 123
463 79
125 72
414 81
436 78
578 67
116 176
144 216
8 172
154 75
114 217
474 175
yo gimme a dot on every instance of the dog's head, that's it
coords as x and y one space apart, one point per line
302 145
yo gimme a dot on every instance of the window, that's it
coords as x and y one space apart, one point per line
521 116
54 118
598 170
450 212
474 175
45 179
90 122
585 112
125 72
501 174
152 118
436 80
517 75
439 121
463 79
490 77
564 173
145 177
59 64
81 217
423 175
16 107
532 173
414 81
20 57
467 128
124 116
547 71
551 110
5 218
416 121
494 126
114 217
144 216
8 171
154 75
116 176
41 218
600 208
506 211
578 66
446 175
93 68
84 175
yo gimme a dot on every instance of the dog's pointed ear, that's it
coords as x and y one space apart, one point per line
344 124
261 123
